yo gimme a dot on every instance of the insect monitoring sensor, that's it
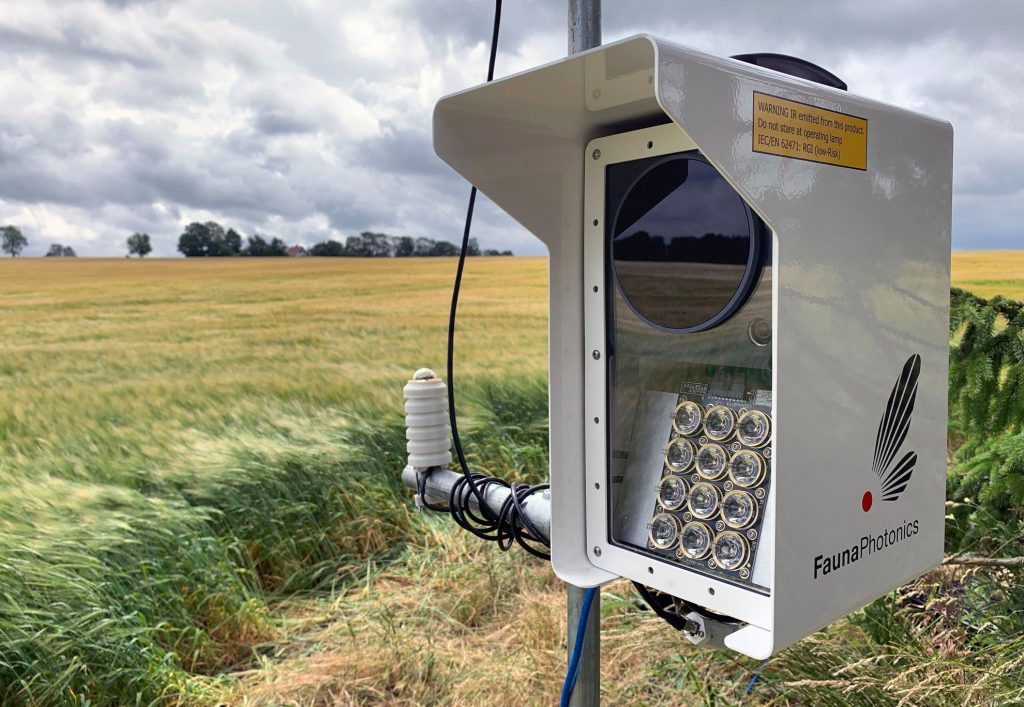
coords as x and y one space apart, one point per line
749 286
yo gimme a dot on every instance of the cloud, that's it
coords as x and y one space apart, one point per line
311 120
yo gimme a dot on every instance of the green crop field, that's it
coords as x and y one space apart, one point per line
200 504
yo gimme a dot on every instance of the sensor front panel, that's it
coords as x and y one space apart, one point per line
679 311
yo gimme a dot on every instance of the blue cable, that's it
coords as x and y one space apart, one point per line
577 649
754 678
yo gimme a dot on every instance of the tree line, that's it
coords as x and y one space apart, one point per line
210 239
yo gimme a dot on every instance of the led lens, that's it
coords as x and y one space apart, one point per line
696 541
738 509
746 468
719 423
730 550
672 493
712 461
679 455
703 501
753 428
687 417
664 532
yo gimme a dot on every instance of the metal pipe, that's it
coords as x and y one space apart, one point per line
585 33
438 485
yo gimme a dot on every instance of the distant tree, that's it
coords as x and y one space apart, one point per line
403 246
258 247
328 249
138 244
61 251
233 242
12 240
491 252
472 247
423 247
210 240
444 248
369 245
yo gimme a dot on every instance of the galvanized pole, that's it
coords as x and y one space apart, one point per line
585 33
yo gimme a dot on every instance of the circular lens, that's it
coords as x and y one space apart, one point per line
685 248
687 417
719 423
679 455
703 502
738 509
672 493
730 550
746 468
696 540
711 461
664 532
753 428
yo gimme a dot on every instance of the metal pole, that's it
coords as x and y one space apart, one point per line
585 33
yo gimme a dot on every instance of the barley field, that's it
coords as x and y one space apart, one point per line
200 503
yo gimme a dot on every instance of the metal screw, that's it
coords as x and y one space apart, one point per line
596 354
597 93
596 154
597 551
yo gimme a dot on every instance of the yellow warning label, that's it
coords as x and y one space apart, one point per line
791 129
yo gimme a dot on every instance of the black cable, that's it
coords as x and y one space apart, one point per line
509 524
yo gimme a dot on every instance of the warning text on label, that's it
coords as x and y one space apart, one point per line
790 129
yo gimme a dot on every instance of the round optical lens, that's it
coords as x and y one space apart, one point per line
696 541
712 461
672 493
719 423
730 550
746 468
664 531
738 509
753 428
687 417
703 502
679 455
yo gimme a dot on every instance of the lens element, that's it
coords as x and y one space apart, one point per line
719 423
753 428
746 468
664 532
712 461
730 550
738 509
696 542
703 501
679 455
687 417
672 493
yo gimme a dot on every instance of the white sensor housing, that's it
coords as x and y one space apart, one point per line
848 365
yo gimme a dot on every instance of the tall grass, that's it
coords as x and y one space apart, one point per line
200 502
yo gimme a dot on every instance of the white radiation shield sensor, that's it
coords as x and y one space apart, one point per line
749 286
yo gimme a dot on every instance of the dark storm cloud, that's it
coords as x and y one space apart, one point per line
313 120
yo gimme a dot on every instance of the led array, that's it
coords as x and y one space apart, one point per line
714 485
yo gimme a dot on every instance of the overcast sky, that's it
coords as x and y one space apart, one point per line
310 119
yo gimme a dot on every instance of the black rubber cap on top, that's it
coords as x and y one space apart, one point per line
801 68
